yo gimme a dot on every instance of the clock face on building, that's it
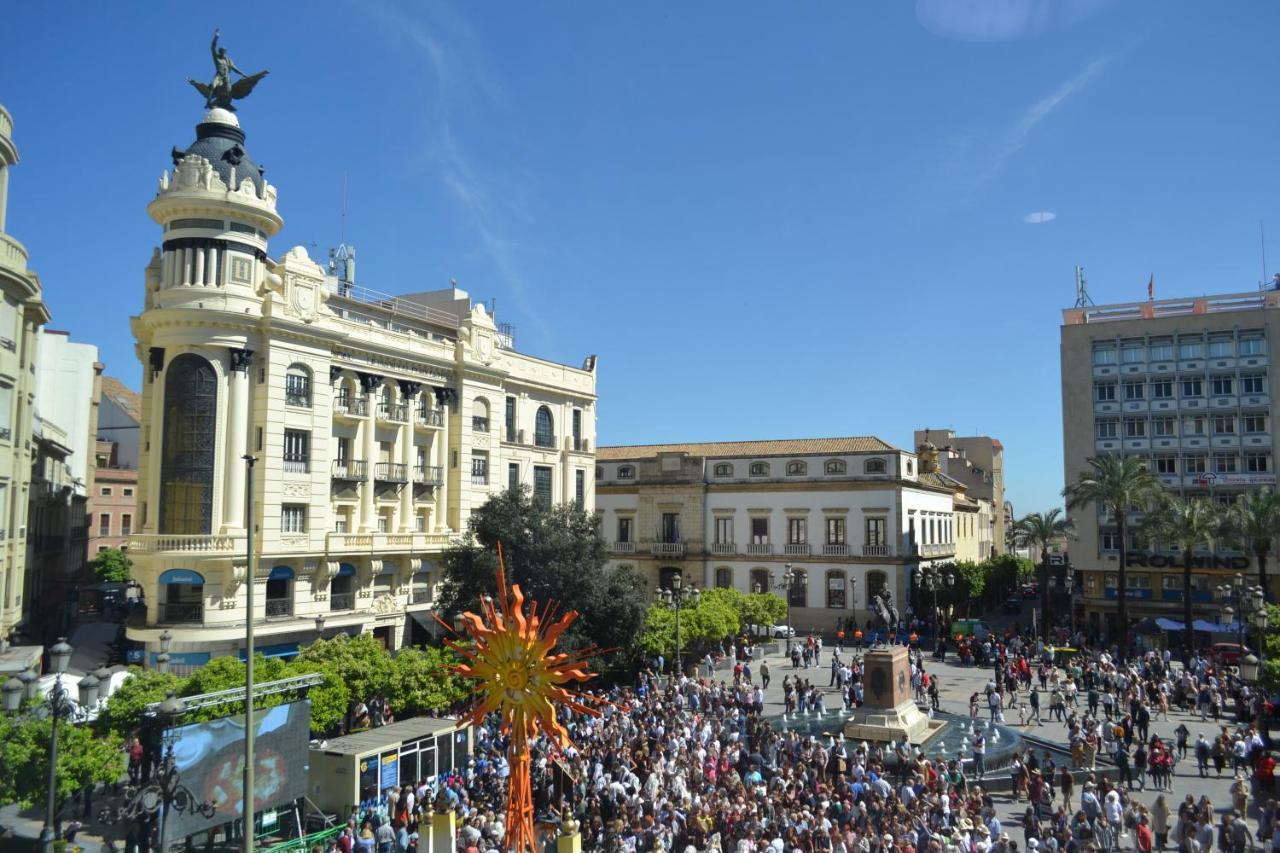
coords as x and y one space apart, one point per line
878 681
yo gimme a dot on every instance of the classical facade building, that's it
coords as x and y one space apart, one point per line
113 495
1187 386
377 424
978 462
851 516
22 313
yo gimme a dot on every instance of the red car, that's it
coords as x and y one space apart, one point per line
1228 654
1030 590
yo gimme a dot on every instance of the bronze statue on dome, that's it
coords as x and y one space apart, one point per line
220 92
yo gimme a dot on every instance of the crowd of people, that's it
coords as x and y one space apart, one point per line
691 763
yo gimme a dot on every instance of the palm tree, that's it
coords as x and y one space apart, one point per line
1115 483
1040 530
1254 522
1186 522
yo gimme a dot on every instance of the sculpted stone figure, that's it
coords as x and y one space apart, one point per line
220 92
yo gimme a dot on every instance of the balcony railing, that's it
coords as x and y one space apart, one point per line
875 550
150 543
392 472
512 435
937 549
174 613
393 412
796 549
759 549
342 601
544 440
479 424
279 607
724 547
577 443
835 550
429 417
669 549
624 547
428 475
350 469
479 479
5 433
298 398
380 541
421 595
294 464
356 407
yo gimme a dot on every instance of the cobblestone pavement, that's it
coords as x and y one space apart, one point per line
957 683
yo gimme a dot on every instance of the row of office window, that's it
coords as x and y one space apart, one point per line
835 530
1252 462
1163 389
104 524
838 587
1190 426
1219 345
794 468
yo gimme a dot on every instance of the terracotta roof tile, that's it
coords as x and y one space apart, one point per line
129 401
770 447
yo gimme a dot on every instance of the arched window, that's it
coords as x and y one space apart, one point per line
183 599
626 472
759 469
873 466
911 468
480 415
760 580
836 584
544 434
835 466
342 588
724 469
724 577
796 468
876 581
667 577
797 593
297 386
190 436
280 591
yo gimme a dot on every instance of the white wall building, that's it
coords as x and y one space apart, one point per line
64 396
378 423
850 515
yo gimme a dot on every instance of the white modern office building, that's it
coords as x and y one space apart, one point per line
377 423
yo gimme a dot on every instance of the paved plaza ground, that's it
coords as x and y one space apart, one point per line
957 683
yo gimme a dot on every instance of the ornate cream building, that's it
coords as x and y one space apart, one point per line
22 313
377 422
851 516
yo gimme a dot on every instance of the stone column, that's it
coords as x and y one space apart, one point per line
408 390
198 276
237 441
368 385
153 462
441 442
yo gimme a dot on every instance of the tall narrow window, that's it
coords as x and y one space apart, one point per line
510 419
724 530
670 527
797 531
297 386
577 429
624 529
542 483
875 532
190 434
580 486
479 468
760 530
293 518
544 429
513 475
126 524
297 449
836 531
104 524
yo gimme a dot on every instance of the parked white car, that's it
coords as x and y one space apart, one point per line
779 632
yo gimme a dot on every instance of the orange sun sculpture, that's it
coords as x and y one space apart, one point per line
518 676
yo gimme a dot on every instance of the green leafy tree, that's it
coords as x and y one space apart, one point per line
762 608
360 662
111 566
329 699
84 757
1271 648
971 582
421 682
712 620
1254 523
123 712
1040 530
555 553
1188 523
1116 484
228 673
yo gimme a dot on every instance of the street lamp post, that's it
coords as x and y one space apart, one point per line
1240 604
933 579
678 597
1070 581
162 659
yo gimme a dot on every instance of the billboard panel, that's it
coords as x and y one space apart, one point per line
210 762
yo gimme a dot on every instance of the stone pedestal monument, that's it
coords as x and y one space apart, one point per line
888 711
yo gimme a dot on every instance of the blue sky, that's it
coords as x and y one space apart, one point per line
769 220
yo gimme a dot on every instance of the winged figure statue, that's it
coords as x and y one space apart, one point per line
221 91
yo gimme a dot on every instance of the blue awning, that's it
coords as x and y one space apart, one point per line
280 573
346 569
1199 625
279 650
184 658
182 576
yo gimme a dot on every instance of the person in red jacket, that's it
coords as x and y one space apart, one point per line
1145 838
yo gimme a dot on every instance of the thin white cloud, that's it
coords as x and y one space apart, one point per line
488 203
1002 20
1040 217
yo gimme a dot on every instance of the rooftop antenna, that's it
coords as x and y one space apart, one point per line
342 230
342 260
1083 300
1262 240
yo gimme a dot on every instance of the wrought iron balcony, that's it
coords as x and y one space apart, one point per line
421 595
479 424
350 469
393 412
428 475
277 607
182 613
298 397
356 407
429 417
392 472
342 601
